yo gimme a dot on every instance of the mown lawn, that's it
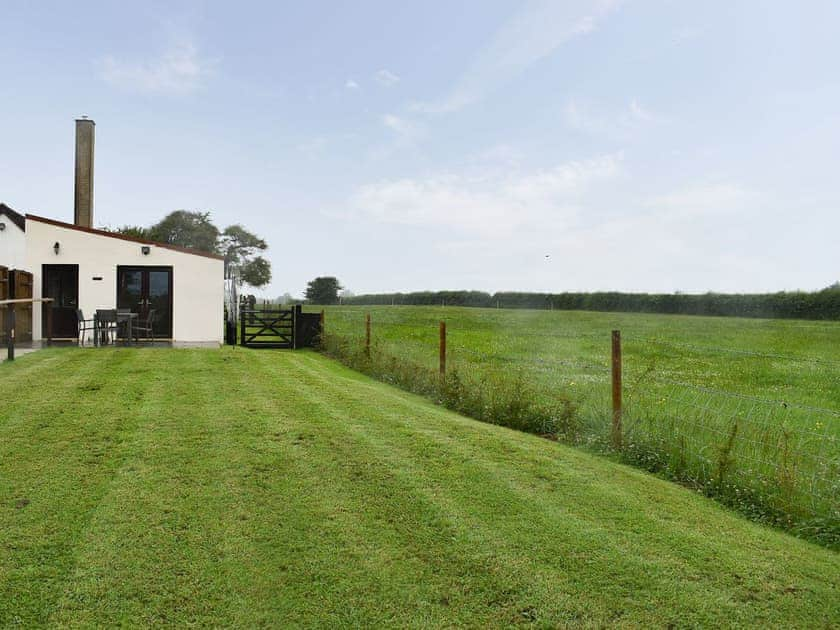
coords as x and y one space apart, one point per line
246 488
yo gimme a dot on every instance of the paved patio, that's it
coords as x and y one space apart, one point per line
31 346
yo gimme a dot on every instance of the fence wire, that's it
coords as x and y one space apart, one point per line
706 349
790 455
786 453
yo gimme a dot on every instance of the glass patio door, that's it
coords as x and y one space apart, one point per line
142 289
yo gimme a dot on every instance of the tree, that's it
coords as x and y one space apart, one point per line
136 231
194 230
256 272
323 290
239 247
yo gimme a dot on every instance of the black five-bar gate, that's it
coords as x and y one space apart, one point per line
274 327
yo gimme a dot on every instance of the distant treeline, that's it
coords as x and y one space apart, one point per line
823 304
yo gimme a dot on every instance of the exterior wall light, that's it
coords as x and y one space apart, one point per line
56 247
145 249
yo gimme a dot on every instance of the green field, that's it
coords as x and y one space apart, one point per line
748 409
268 488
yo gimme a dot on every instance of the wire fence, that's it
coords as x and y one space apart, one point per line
775 457
707 349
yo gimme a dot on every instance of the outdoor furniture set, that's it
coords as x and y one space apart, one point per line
108 325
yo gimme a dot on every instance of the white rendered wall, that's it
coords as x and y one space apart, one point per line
197 281
12 245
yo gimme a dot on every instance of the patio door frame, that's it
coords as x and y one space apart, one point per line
144 291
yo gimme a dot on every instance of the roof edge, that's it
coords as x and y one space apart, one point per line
16 217
123 237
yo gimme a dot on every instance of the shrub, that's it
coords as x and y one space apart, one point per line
823 304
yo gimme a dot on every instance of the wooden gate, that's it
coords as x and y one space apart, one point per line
20 283
275 327
267 327
16 285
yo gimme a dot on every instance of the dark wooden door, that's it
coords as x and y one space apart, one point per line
142 289
61 283
4 295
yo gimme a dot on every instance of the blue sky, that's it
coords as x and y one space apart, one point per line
494 145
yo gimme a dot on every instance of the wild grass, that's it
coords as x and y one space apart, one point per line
744 410
251 488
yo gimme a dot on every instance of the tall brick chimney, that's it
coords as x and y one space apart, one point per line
83 202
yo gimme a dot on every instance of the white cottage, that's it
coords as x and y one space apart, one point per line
12 238
87 269
82 268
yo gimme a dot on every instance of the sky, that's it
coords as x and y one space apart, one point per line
556 145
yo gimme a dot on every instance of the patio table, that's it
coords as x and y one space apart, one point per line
126 318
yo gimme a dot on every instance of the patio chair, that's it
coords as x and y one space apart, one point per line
145 326
84 325
106 319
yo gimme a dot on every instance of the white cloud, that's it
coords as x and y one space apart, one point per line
490 207
609 121
313 147
386 78
500 153
706 201
637 112
406 129
350 84
686 34
178 70
695 238
530 36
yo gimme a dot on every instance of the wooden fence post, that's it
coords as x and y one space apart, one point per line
442 350
10 332
323 331
616 389
49 322
242 324
367 334
297 325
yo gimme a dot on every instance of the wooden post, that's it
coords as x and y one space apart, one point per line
367 334
242 324
616 389
442 350
10 331
49 322
297 325
323 332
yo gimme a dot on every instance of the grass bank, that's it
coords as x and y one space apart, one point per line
745 410
247 488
